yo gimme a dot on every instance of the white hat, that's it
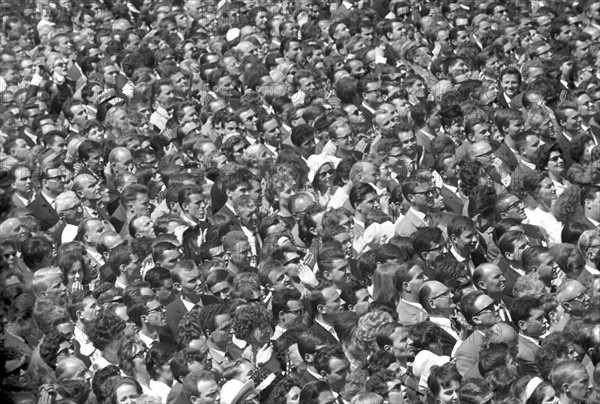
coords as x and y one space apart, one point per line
423 363
316 161
234 390
232 34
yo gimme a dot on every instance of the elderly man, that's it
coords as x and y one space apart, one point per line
437 300
89 191
589 245
573 297
70 213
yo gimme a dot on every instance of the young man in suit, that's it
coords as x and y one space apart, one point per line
53 179
409 278
420 197
447 166
511 245
187 280
529 317
326 303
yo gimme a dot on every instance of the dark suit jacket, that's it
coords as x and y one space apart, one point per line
176 310
409 314
323 332
511 277
467 353
564 144
585 221
507 156
586 278
17 203
41 209
453 202
526 356
518 175
409 224
229 213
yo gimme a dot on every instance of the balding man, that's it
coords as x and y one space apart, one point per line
89 192
490 280
72 368
573 297
437 300
589 245
70 213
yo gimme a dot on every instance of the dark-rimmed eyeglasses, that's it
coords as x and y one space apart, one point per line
447 293
490 307
141 354
556 158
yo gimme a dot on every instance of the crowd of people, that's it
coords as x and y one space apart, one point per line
300 202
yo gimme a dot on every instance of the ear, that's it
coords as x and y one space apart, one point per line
121 268
313 231
308 358
321 309
453 238
144 318
566 388
281 314
509 256
482 285
522 325
350 307
387 348
327 275
503 215
78 314
79 193
323 375
177 286
424 256
476 320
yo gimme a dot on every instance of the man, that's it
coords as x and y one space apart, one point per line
43 206
334 267
420 197
590 199
194 206
490 280
480 312
288 309
589 245
148 315
431 247
238 253
216 326
70 214
340 134
509 206
477 130
200 387
334 367
88 232
125 265
528 144
76 114
447 166
90 154
235 185
248 217
326 303
23 192
567 115
571 381
437 300
463 236
364 200
413 156
89 191
511 245
573 297
141 227
529 317
136 201
162 94
409 277
83 310
188 282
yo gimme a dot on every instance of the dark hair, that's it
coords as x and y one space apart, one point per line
440 377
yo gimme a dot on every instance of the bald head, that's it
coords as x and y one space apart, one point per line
502 333
481 151
70 368
573 297
489 278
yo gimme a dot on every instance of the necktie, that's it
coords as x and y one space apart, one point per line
257 243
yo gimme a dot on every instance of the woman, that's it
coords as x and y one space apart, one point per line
541 187
551 159
384 286
324 180
287 391
132 361
581 152
444 384
58 86
125 390
540 392
157 365
72 265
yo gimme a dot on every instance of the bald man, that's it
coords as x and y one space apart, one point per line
437 300
72 368
573 297
489 278
90 191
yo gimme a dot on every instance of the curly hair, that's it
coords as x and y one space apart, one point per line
49 347
362 343
248 318
77 391
126 351
105 329
207 315
189 328
159 355
379 361
567 206
281 390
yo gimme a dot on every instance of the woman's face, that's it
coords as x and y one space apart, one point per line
550 396
547 192
75 274
450 394
556 163
326 175
126 394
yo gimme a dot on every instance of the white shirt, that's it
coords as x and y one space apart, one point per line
189 305
338 199
146 340
591 270
446 325
159 389
548 222
418 214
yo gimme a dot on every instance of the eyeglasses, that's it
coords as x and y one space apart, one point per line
159 310
250 117
343 137
293 261
438 248
580 297
514 205
556 158
486 154
429 192
490 307
58 178
9 254
60 64
447 293
141 354
325 173
298 312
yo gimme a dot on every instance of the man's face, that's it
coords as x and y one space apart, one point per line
23 181
486 311
577 299
372 94
494 280
132 269
170 258
422 197
209 393
164 293
272 133
222 336
140 206
370 203
416 279
242 255
249 218
520 246
418 89
409 143
166 93
572 122
481 132
249 118
196 207
333 302
442 297
145 227
191 283
579 387
90 310
156 314
531 147
467 241
293 51
340 272
586 106
536 325
515 208
582 49
111 73
343 138
402 347
462 38
91 190
294 313
80 115
56 287
338 371
20 150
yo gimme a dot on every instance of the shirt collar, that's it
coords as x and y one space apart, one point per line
593 271
146 340
189 305
534 340
329 328
418 214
